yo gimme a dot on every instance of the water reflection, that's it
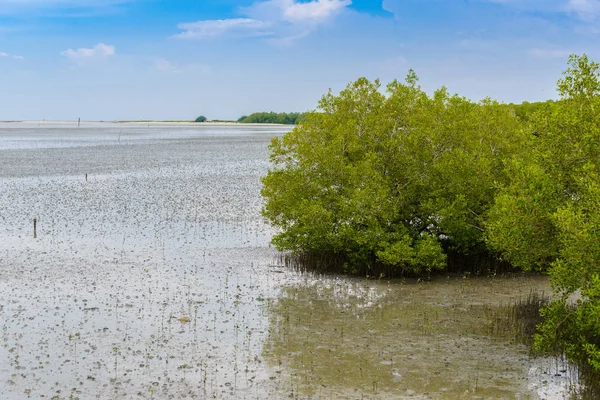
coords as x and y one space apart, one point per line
354 339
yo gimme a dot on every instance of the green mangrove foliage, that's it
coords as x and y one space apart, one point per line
272 118
549 214
524 110
392 181
397 181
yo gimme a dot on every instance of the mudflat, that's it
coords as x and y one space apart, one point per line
151 276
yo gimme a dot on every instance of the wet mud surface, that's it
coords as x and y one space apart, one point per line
152 277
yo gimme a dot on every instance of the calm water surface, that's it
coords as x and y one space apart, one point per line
152 277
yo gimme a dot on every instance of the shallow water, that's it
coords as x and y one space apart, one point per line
407 339
151 277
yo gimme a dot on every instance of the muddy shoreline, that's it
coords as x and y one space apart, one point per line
154 278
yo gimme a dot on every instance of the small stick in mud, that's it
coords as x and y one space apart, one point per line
35 228
86 177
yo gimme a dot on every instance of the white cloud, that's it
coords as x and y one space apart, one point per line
288 40
313 11
14 57
82 55
219 27
295 12
585 9
284 21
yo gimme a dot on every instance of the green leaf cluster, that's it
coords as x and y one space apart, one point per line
525 110
396 178
548 216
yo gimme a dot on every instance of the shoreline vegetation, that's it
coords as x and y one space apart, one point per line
151 123
258 118
522 111
403 183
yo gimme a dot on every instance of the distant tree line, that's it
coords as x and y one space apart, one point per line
292 118
525 110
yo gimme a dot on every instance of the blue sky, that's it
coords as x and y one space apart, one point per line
176 59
